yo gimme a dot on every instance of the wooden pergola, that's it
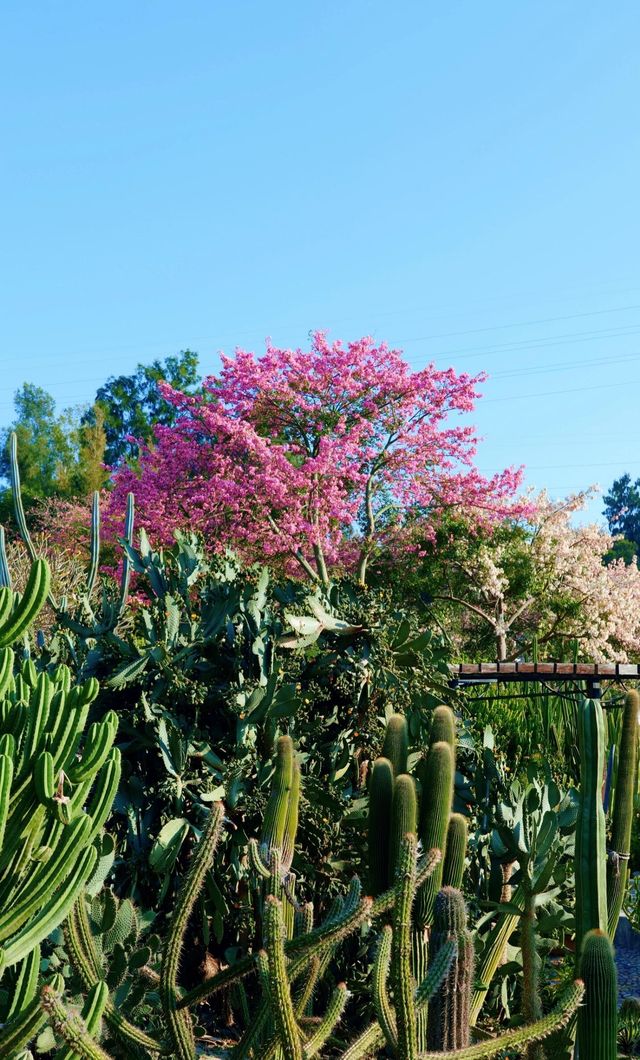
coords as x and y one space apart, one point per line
592 674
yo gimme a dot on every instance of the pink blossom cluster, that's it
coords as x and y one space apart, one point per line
319 455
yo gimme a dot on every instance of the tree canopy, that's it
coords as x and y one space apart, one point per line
132 405
319 457
622 512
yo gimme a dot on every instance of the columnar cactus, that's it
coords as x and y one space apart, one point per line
626 784
396 743
404 811
456 851
448 1026
443 727
590 848
379 823
437 796
598 1016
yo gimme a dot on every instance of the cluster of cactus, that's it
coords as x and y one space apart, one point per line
57 785
535 840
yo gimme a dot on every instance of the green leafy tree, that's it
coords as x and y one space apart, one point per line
622 510
132 404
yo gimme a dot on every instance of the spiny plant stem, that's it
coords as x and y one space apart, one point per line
179 1022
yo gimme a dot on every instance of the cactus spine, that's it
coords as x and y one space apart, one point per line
598 1017
448 1026
618 860
590 852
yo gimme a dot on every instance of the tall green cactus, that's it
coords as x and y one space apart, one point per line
456 851
436 800
448 1025
379 824
598 1017
626 785
443 727
404 812
396 743
590 848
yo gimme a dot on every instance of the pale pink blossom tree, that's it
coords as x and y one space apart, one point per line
324 456
542 575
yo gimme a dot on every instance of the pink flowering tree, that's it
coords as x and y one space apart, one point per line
322 456
543 575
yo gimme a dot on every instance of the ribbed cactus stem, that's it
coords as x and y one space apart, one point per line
531 1003
443 727
94 543
590 850
179 1022
5 573
275 815
402 977
279 987
379 824
404 811
626 785
325 1028
291 820
448 1025
598 1017
71 1027
437 796
456 851
384 1010
396 743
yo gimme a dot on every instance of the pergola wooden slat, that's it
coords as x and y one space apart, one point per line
528 672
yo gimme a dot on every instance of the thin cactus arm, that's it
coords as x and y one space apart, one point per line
438 969
325 1028
303 949
256 862
91 1016
16 491
520 1036
402 978
70 1027
86 961
21 1029
94 544
5 573
179 1022
384 1010
384 902
366 1044
125 577
279 985
18 507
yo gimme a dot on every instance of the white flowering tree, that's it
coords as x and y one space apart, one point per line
543 576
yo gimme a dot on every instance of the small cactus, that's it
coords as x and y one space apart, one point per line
598 1017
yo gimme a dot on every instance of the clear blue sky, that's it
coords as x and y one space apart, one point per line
459 179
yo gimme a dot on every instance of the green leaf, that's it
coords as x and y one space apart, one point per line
165 850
